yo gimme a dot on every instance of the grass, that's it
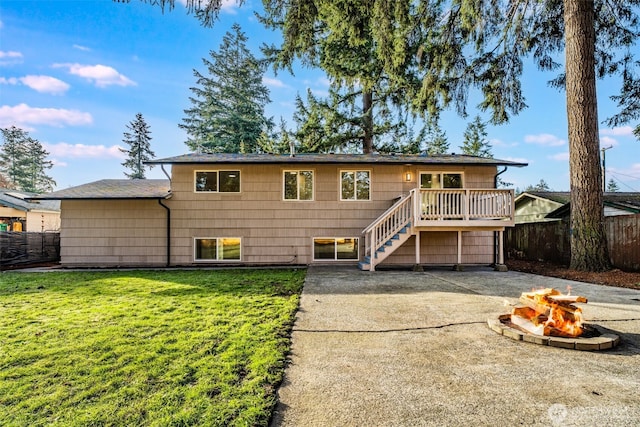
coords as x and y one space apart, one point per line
169 348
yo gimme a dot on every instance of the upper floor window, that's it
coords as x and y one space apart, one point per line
440 180
298 185
355 185
217 181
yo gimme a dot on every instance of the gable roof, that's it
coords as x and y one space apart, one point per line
114 189
422 159
561 197
22 201
620 200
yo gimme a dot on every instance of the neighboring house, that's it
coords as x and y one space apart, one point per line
19 213
615 203
253 209
533 206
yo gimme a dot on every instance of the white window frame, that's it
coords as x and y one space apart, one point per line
355 185
335 249
440 172
298 199
217 172
218 251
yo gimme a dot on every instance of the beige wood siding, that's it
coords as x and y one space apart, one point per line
112 233
272 230
440 247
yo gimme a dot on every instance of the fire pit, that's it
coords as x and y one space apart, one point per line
548 317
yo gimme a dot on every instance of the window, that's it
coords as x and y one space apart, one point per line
298 185
440 180
335 248
217 249
355 185
217 181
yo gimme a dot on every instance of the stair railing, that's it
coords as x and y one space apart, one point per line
387 225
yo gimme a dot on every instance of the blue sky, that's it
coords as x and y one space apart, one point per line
75 73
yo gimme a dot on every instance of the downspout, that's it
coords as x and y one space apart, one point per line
168 231
495 233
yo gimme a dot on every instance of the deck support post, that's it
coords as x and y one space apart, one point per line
500 266
458 266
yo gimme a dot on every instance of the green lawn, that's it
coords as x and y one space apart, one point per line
156 348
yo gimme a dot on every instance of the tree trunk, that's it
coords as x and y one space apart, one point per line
367 122
588 239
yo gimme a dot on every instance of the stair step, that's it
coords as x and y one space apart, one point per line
364 266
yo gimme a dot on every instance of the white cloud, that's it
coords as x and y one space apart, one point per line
4 54
77 151
320 93
100 75
83 48
10 57
619 131
545 139
273 82
561 157
45 84
323 81
500 143
22 115
608 141
57 162
228 6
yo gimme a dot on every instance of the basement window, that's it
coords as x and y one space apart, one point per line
217 181
217 249
335 249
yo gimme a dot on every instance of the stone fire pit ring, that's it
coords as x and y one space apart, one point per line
604 341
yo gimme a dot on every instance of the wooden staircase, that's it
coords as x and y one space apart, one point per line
387 233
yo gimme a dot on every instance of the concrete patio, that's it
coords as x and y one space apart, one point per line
395 348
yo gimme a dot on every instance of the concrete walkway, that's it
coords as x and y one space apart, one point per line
413 349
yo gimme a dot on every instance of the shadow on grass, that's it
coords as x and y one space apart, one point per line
240 283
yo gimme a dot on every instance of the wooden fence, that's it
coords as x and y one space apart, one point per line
18 248
549 241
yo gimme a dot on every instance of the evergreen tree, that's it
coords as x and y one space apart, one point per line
277 143
138 139
612 186
540 186
366 109
23 162
227 113
475 139
13 155
437 142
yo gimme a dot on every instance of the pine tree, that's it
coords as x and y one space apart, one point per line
612 186
23 161
138 139
475 139
540 186
227 113
437 142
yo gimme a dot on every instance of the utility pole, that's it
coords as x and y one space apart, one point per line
604 173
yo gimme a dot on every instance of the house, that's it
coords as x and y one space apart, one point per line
533 206
19 213
254 209
541 206
615 204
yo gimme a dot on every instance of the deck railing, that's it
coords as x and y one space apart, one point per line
464 204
